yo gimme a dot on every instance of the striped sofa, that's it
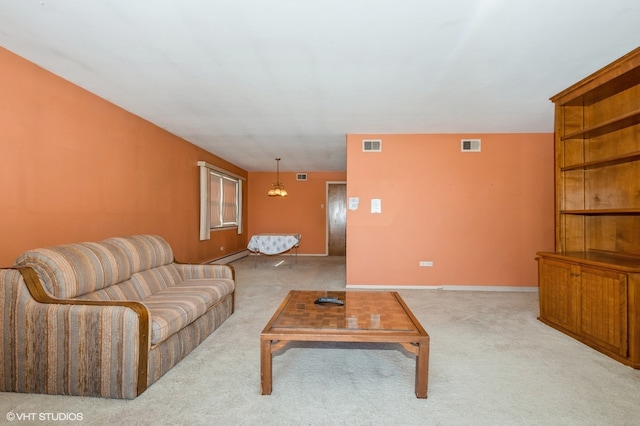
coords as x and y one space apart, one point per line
105 318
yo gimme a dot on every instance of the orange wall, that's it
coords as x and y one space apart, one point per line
480 217
302 211
78 168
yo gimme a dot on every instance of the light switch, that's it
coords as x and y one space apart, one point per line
353 203
376 205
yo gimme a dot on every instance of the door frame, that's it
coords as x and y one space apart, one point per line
326 212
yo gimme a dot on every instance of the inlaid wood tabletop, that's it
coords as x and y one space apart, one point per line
359 316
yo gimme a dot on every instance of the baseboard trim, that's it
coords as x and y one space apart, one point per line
394 287
286 254
230 257
446 287
244 253
511 288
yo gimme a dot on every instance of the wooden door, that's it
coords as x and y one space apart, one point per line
559 284
603 317
337 219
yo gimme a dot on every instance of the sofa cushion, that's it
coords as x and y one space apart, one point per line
152 281
71 270
174 308
145 251
126 290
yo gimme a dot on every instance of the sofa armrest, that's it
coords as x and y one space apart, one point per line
206 270
71 346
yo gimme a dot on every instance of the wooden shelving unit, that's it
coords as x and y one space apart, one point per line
590 285
605 212
604 162
605 127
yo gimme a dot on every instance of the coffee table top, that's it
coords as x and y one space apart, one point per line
363 311
365 317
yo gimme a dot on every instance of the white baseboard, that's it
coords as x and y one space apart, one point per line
286 254
446 287
294 254
244 253
394 287
491 288
230 258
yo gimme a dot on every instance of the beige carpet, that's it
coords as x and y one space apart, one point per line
492 363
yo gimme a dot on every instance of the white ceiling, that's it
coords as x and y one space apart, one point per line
251 80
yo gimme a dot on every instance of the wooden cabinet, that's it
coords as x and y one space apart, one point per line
559 289
595 299
597 155
589 285
603 309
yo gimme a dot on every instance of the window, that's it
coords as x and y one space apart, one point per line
220 200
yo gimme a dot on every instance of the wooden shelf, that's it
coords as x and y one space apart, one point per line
600 258
626 120
595 212
604 83
589 288
604 162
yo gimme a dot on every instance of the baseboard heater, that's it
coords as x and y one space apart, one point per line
230 257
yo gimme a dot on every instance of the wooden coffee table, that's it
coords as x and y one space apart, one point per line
366 316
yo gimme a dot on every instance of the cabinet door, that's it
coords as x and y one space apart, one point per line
559 293
603 308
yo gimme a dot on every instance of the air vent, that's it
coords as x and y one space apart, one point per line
470 145
370 145
301 176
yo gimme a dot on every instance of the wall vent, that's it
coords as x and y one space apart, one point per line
470 145
371 145
301 176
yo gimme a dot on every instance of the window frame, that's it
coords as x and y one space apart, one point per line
210 176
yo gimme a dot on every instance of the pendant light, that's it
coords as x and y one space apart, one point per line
277 188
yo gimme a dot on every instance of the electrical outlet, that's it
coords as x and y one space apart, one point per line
426 263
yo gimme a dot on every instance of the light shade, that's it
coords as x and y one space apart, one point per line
277 188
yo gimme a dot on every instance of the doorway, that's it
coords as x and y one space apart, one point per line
336 218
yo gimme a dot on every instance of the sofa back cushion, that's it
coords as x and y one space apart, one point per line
126 290
156 279
145 251
140 286
71 270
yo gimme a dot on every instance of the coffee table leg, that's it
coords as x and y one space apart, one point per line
265 367
422 369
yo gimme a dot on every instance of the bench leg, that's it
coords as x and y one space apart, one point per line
422 369
265 367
